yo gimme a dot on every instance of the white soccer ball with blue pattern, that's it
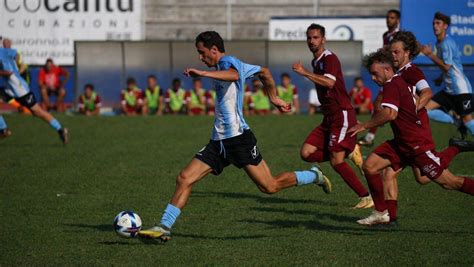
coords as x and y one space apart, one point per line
127 224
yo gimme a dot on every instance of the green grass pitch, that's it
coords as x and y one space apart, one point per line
58 203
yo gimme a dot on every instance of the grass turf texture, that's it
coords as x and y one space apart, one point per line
58 203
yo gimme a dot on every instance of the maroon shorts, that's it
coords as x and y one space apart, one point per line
430 162
331 135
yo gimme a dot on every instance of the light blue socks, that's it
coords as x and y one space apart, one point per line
170 215
439 115
470 126
305 177
3 124
55 124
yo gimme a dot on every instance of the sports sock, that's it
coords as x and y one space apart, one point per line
351 179
54 123
392 209
470 126
317 156
369 137
306 177
170 215
3 124
376 190
448 154
439 115
467 186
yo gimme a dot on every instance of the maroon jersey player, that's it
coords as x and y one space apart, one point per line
329 140
412 143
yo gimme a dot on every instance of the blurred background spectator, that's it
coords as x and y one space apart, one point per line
259 103
196 99
89 101
361 97
289 93
51 81
153 103
131 98
174 98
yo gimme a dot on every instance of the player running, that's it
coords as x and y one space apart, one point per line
457 94
232 141
412 143
17 88
329 141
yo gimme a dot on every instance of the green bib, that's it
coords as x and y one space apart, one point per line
130 97
89 104
286 94
152 97
195 100
260 100
176 99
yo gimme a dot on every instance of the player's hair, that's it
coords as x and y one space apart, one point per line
89 85
383 56
176 80
285 74
197 79
357 78
315 26
210 39
396 12
409 42
151 76
440 16
49 60
131 80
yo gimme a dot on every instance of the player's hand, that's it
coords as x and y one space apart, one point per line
426 49
298 68
281 105
359 127
191 72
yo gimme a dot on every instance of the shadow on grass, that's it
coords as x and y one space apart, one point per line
318 214
98 227
227 238
263 199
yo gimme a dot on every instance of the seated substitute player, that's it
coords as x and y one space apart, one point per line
457 93
412 143
175 98
313 101
259 104
361 97
232 140
89 102
131 99
50 83
210 101
153 102
196 99
288 93
329 141
17 88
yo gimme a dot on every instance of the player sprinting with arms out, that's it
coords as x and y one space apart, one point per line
232 141
17 88
457 94
412 143
329 140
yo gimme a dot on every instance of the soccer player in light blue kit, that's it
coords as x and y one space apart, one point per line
232 141
457 94
16 87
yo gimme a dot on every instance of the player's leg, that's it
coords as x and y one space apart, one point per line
449 181
192 173
419 178
44 97
373 167
435 107
4 131
464 109
315 146
269 184
368 139
390 184
60 99
29 102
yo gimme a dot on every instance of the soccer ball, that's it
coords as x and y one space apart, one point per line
127 224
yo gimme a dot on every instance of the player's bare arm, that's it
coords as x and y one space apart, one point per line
425 96
383 116
318 79
269 86
230 75
427 51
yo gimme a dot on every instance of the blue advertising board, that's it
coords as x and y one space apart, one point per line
417 16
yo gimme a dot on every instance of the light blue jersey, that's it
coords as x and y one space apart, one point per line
15 85
455 80
229 119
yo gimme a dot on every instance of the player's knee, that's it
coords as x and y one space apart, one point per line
423 180
269 189
183 179
369 168
304 155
